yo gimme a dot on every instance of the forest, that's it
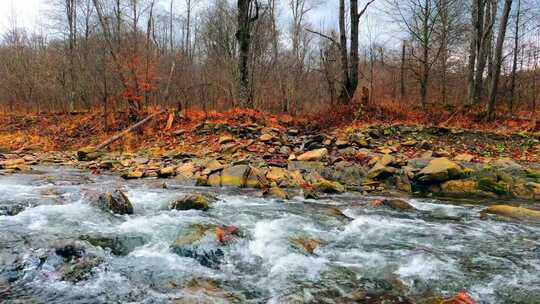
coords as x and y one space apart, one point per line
431 56
270 152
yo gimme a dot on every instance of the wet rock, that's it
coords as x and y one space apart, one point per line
337 213
399 205
11 209
512 212
276 192
17 164
278 175
310 193
120 245
214 180
314 155
187 245
440 170
212 166
256 179
493 186
526 190
80 270
191 202
167 171
305 244
207 291
133 174
235 176
116 202
326 186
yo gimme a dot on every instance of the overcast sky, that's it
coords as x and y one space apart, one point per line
324 17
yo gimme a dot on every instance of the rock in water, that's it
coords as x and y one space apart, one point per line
440 170
327 186
191 202
305 244
398 204
116 202
513 212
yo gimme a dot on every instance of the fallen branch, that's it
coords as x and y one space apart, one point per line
126 131
91 153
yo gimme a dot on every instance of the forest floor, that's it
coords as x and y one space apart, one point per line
247 148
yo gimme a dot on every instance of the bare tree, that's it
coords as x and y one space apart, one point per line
490 111
248 12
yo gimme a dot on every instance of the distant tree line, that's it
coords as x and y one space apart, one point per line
453 55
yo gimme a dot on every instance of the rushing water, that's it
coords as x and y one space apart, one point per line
441 249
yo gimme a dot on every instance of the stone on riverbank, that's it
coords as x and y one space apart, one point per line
314 155
440 170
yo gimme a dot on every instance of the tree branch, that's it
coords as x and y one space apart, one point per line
325 36
363 11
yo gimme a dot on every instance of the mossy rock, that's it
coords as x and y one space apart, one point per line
326 186
490 185
191 202
512 212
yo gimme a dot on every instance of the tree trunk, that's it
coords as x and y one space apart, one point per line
402 72
243 36
514 61
344 94
498 59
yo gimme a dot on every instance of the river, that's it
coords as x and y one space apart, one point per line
442 248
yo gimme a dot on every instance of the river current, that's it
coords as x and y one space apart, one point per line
442 248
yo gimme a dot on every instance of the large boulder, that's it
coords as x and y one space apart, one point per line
439 170
382 168
188 244
116 202
512 212
314 155
326 186
235 176
191 202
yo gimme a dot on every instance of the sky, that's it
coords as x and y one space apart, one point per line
27 12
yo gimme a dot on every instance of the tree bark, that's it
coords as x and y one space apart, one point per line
498 59
243 35
514 61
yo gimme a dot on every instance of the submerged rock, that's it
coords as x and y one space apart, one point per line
307 245
191 202
512 212
116 202
118 244
80 270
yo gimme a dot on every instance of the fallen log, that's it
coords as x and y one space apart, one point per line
90 153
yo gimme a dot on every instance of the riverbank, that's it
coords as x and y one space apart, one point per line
284 156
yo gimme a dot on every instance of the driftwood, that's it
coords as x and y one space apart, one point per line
126 131
91 153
